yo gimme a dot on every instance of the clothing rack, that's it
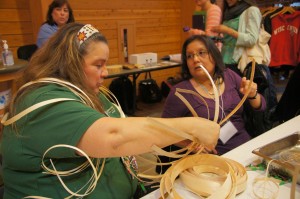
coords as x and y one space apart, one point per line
264 4
286 2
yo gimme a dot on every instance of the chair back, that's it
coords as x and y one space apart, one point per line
25 52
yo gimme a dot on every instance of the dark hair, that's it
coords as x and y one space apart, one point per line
237 9
212 50
249 2
58 4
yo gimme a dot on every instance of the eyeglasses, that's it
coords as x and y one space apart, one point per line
201 53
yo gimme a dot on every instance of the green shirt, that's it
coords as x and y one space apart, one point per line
59 123
229 42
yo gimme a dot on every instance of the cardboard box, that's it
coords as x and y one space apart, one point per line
143 58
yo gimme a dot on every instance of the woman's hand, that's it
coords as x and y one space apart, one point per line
185 143
193 31
220 29
225 30
245 86
210 151
205 131
253 97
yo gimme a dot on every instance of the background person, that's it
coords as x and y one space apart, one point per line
213 16
200 49
239 31
59 13
93 127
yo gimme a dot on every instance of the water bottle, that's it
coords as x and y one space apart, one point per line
7 55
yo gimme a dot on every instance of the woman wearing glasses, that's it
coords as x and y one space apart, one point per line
201 50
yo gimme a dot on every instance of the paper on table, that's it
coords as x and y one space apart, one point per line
175 57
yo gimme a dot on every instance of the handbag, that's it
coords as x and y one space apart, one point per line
149 90
260 76
257 122
260 51
123 89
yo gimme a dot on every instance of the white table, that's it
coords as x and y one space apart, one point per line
243 154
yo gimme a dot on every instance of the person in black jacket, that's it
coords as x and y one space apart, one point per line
288 105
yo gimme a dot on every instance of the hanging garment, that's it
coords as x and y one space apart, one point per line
285 40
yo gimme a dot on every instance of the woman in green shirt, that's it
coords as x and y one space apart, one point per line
69 121
240 28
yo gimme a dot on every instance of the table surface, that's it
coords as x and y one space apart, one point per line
156 66
243 154
19 64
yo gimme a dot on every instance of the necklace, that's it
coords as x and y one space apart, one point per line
223 115
207 91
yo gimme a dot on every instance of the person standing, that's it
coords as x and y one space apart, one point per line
240 28
59 13
213 17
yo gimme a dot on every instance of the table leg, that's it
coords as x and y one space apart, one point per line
134 78
294 182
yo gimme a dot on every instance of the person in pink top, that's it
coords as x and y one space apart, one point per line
213 18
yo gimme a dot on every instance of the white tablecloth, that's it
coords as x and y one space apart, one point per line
243 154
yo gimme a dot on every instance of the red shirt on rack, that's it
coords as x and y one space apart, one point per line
285 40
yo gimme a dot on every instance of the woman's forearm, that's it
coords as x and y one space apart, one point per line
113 137
232 32
256 102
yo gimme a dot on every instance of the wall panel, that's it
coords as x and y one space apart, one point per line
15 28
128 4
158 23
13 4
15 15
15 23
